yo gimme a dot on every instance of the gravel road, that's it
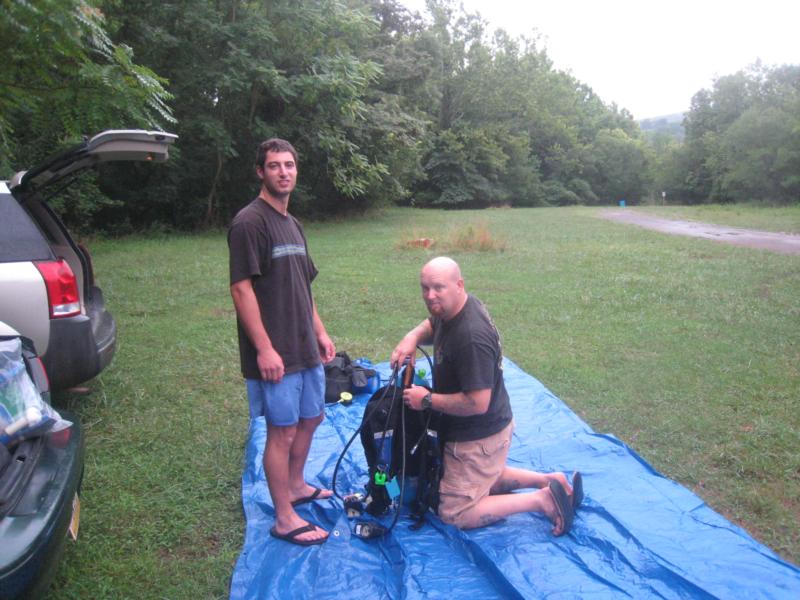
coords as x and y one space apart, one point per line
784 243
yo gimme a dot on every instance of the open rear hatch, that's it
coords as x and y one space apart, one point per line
111 145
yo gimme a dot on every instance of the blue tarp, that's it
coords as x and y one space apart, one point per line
638 534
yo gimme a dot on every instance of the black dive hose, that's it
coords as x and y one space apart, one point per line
409 383
430 412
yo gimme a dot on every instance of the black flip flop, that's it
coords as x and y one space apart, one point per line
291 537
311 498
577 490
563 506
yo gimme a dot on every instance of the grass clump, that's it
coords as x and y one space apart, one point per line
466 237
474 237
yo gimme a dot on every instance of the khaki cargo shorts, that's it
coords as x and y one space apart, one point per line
470 471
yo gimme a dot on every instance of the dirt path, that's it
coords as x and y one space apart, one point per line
784 243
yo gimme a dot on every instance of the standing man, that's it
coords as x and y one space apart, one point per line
476 413
282 341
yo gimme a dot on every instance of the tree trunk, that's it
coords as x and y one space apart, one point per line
211 215
254 97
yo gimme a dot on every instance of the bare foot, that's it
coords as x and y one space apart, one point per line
551 512
308 493
292 522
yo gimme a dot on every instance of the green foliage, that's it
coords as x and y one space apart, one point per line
762 156
670 169
65 78
384 107
742 141
511 130
464 168
616 166
583 190
521 177
81 201
557 194
245 71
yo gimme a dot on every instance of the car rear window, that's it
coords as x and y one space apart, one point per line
20 238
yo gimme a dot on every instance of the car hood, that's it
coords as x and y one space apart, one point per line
112 145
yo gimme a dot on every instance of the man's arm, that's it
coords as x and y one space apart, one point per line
462 404
270 364
421 334
327 350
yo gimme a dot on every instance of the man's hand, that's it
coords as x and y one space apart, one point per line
413 396
270 365
327 350
407 348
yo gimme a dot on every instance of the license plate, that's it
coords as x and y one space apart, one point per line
74 522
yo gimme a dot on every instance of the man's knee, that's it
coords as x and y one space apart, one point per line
311 423
280 436
449 518
462 520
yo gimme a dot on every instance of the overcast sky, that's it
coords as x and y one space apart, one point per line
650 57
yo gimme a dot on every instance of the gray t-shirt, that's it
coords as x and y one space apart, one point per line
271 249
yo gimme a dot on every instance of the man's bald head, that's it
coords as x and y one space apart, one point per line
445 266
443 287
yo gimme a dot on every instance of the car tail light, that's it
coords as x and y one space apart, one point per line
62 288
60 438
42 379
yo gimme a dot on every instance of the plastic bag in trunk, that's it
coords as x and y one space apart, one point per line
23 411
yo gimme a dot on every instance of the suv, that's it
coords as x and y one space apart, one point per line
47 289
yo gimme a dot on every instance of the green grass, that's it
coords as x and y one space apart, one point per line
686 349
785 219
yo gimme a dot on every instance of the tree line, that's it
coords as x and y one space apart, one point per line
742 141
384 107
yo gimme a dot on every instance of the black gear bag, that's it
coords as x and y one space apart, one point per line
402 449
344 375
402 445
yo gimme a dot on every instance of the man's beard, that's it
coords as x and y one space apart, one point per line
276 193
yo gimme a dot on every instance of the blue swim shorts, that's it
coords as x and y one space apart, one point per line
299 395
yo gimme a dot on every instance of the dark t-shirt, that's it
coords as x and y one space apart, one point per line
271 249
468 356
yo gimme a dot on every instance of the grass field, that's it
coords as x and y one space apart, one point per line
688 350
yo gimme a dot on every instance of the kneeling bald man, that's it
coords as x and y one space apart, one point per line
477 421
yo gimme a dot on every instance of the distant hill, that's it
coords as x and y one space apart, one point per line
671 125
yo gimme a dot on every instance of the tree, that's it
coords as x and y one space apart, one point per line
503 95
64 77
742 137
243 71
762 155
618 166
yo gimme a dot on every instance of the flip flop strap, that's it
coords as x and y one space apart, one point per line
295 532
